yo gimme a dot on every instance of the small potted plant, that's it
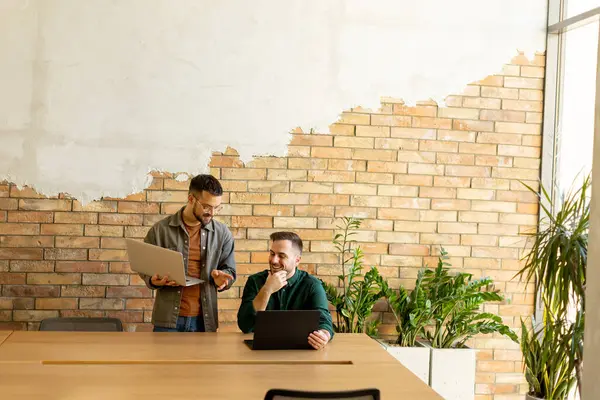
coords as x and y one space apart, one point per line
356 294
456 301
546 363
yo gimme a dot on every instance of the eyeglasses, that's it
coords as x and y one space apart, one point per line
209 208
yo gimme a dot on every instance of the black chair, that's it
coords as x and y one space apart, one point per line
362 394
82 324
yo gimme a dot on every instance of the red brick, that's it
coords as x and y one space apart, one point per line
414 180
19 229
128 292
81 266
383 166
21 254
391 120
29 315
96 206
62 229
101 304
53 279
250 198
112 243
55 304
330 199
29 216
108 255
120 219
9 204
472 125
76 218
136 231
83 291
31 266
45 205
312 211
103 230
346 165
126 207
105 279
167 196
26 241
400 214
255 222
118 267
65 254
81 314
12 278
76 242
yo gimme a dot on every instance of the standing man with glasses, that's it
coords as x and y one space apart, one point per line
208 253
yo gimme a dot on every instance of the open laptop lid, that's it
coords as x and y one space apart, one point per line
150 259
284 330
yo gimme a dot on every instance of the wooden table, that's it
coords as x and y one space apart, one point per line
72 365
226 348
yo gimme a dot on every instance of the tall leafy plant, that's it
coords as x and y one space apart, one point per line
456 303
557 264
356 294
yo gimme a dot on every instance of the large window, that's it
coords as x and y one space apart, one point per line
572 61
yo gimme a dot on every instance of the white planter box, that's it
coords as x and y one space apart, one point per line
452 373
415 359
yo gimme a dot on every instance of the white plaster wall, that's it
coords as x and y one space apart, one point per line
94 94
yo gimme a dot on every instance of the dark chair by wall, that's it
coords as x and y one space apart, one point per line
283 394
82 324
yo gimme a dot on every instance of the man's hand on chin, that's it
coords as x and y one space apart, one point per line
318 339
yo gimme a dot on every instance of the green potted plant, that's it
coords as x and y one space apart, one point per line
456 301
412 312
557 263
356 294
549 373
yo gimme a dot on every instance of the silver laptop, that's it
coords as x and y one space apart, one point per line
149 259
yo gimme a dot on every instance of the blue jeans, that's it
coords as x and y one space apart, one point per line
184 324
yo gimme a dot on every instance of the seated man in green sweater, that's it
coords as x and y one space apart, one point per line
285 287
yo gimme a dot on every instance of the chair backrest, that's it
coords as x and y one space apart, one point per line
361 394
82 324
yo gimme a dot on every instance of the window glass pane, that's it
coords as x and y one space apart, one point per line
575 7
576 114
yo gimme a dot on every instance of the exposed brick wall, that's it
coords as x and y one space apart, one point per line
420 177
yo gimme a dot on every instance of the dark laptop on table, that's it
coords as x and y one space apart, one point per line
283 330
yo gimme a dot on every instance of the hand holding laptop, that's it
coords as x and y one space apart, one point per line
164 281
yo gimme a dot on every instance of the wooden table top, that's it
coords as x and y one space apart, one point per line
90 382
35 346
132 365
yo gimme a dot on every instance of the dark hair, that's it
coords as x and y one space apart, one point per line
291 236
207 183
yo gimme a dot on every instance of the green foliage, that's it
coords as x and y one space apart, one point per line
548 372
456 303
358 294
450 304
557 264
412 311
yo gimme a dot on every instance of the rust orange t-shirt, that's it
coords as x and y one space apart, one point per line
190 296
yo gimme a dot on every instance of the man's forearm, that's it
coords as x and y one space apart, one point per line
261 300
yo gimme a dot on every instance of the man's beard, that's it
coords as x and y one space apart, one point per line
208 217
